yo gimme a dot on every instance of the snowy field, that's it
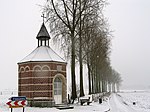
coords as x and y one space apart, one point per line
141 99
121 102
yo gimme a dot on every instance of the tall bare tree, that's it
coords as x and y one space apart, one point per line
84 33
64 18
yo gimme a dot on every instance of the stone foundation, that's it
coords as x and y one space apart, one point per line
38 103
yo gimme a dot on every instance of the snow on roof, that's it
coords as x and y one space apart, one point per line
43 53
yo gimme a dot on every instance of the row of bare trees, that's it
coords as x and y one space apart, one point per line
83 33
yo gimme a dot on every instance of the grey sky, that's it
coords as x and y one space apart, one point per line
130 20
20 22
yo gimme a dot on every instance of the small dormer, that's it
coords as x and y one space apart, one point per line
43 36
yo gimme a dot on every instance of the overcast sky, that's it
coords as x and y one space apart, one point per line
20 22
130 20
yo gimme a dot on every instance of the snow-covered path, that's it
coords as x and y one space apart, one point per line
117 105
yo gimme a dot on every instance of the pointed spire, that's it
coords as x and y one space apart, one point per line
43 33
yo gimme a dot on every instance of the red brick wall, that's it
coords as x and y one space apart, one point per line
38 83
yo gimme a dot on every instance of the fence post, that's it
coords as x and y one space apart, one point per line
11 109
23 109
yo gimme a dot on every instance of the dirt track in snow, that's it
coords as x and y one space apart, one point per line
117 105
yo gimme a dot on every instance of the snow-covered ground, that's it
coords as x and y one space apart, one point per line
141 99
117 105
94 106
121 102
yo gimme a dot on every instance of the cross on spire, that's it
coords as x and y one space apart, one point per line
43 17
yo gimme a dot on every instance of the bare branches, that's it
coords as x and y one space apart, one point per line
58 14
84 35
66 13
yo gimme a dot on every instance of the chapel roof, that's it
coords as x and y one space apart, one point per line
43 53
43 33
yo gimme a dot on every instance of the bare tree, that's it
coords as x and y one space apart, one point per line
115 80
80 27
64 18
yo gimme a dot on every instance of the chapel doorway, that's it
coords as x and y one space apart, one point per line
58 90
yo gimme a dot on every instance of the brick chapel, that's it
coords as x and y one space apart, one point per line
42 74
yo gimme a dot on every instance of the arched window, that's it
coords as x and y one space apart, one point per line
27 69
21 69
37 68
45 68
57 86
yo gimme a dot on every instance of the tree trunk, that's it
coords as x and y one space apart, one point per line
89 77
110 87
96 79
80 56
81 78
74 94
93 83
